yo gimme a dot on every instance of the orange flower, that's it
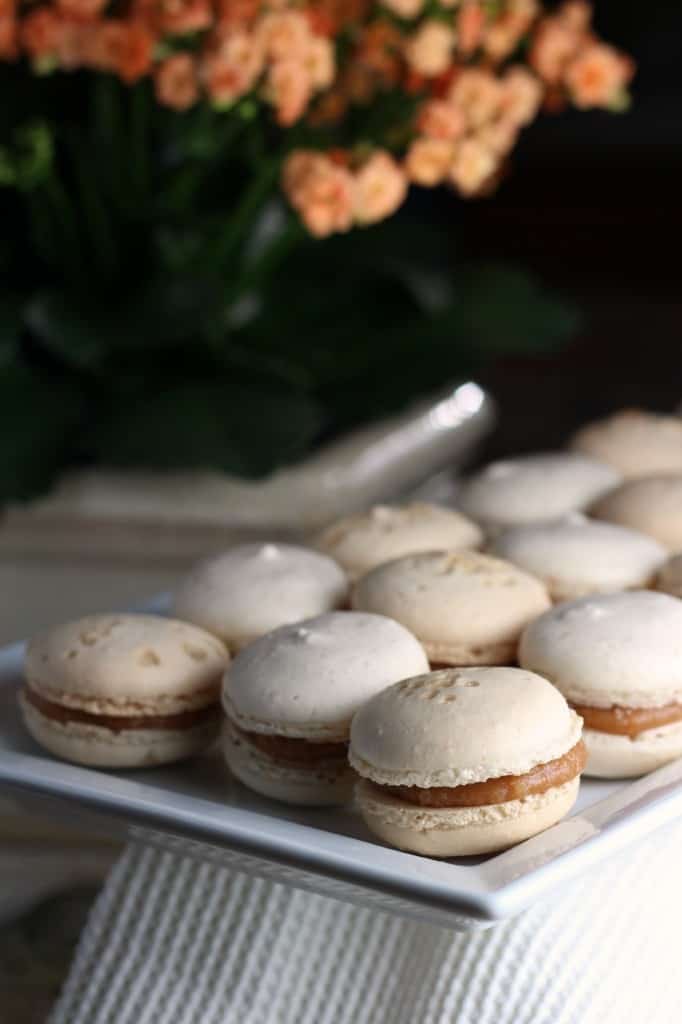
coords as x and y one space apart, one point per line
124 47
440 120
81 10
135 56
288 89
505 32
470 25
232 65
330 17
499 136
319 62
555 43
40 32
478 95
577 14
238 12
428 161
405 8
521 95
378 51
180 17
75 43
321 192
473 167
597 76
297 168
9 48
429 50
380 188
175 82
284 35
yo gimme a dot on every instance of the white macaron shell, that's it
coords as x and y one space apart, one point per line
577 556
612 649
457 603
360 543
459 726
307 680
126 665
635 442
651 504
610 756
533 488
253 588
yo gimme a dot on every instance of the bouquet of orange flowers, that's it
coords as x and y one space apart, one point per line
149 262
450 83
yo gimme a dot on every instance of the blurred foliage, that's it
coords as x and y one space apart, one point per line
159 305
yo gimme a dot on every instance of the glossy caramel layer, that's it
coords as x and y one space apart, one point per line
500 790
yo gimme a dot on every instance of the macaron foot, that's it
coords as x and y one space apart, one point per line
459 831
325 783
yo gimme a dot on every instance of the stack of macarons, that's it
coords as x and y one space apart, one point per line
437 662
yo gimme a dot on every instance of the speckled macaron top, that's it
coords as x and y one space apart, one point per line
253 588
635 442
651 504
532 488
610 650
576 556
308 679
461 605
126 665
459 726
360 543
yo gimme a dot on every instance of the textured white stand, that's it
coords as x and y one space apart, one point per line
172 941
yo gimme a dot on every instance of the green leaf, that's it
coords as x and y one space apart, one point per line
501 310
70 331
38 417
157 316
28 160
10 327
212 425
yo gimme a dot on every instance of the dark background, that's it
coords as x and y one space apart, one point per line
592 205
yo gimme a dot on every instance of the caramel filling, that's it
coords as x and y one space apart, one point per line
628 721
121 723
501 790
297 751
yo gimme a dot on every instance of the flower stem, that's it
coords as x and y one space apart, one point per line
241 219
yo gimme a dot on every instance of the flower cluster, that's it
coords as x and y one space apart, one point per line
466 75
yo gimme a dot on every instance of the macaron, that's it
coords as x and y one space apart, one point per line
123 691
533 488
290 696
360 543
635 442
650 504
669 579
466 761
576 556
247 591
465 608
617 658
